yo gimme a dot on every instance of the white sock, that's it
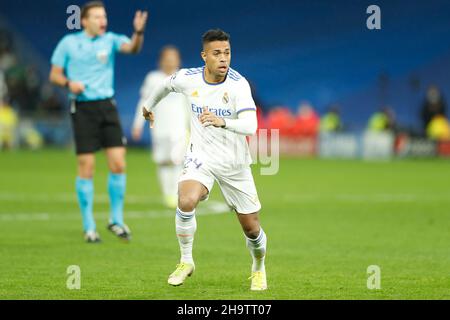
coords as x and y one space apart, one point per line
257 249
185 225
168 179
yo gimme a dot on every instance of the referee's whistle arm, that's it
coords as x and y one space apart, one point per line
58 77
76 87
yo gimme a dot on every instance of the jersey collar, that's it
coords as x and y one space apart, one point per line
214 84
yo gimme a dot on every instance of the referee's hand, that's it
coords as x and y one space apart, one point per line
148 115
76 87
140 19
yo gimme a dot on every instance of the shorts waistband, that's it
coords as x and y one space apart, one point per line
81 102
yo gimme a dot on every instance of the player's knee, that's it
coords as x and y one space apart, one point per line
187 202
86 174
86 169
252 232
118 166
251 226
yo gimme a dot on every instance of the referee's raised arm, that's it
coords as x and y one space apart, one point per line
135 45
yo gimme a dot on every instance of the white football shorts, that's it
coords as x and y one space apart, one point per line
237 186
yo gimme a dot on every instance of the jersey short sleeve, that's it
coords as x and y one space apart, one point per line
119 40
60 55
244 100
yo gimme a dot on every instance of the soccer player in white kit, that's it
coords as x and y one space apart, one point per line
223 113
169 135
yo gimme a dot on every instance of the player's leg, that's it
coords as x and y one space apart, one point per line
190 192
116 190
113 140
85 193
239 191
256 241
85 125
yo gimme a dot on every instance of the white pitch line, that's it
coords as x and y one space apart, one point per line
287 198
25 216
357 198
71 197
206 209
152 199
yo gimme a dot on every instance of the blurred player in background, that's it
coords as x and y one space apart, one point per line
433 105
223 113
169 135
8 126
83 62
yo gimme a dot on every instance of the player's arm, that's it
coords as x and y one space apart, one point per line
174 83
135 45
57 74
246 123
58 77
156 95
139 121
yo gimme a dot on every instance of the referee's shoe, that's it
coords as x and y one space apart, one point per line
123 232
92 237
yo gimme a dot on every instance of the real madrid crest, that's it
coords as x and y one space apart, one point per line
225 98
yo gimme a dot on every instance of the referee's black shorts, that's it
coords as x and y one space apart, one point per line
96 125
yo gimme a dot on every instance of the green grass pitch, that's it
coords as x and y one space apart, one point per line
326 221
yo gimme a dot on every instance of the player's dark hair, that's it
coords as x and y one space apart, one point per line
167 48
215 35
88 6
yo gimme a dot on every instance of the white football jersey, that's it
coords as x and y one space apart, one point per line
218 147
166 124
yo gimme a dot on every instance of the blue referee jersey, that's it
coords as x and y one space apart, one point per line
89 60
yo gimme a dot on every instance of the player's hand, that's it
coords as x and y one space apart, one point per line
76 87
148 115
208 118
136 134
140 19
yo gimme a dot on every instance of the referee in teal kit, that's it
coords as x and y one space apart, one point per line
83 62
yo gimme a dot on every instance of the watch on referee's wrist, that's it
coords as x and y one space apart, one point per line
139 32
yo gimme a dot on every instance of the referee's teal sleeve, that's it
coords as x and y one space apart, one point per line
60 54
119 40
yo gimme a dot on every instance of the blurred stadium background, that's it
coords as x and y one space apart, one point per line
332 87
297 55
